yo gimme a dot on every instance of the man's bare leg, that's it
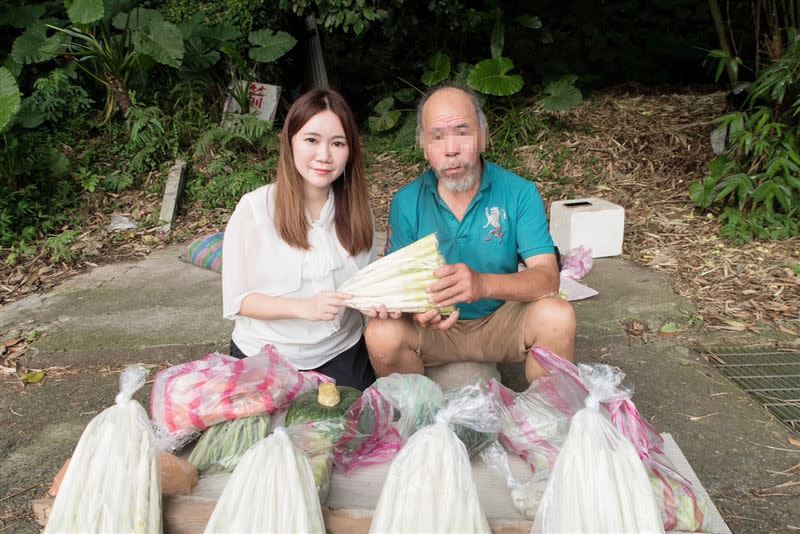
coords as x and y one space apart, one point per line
550 323
393 346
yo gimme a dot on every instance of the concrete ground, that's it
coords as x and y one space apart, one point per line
161 311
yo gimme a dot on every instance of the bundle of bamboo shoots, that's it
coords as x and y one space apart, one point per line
112 483
399 280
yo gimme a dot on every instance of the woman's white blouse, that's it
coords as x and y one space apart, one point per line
256 260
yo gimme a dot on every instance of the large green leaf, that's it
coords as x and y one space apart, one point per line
440 69
224 32
33 46
162 41
562 95
529 21
138 19
22 16
192 27
14 67
85 11
405 95
491 77
10 97
385 117
197 56
28 116
269 45
114 7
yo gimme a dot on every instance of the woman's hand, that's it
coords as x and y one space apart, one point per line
381 313
324 306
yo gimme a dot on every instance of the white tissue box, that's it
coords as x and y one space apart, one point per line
592 222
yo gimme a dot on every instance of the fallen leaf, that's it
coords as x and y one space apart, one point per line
695 418
786 330
735 325
793 441
661 259
32 377
669 329
11 342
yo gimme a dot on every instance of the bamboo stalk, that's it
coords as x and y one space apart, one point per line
724 45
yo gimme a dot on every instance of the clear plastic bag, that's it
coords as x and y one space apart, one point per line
416 398
680 506
189 397
316 440
369 435
472 413
598 482
112 483
533 429
531 426
526 495
429 487
221 446
271 490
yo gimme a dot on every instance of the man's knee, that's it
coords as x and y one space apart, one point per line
387 338
552 314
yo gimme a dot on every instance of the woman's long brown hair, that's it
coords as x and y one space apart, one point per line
352 217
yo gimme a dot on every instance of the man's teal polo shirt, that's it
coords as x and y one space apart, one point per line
504 224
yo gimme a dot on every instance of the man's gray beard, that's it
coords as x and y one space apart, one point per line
460 185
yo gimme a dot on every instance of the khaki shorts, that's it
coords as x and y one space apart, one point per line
499 337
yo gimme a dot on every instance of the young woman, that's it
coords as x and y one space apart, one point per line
290 244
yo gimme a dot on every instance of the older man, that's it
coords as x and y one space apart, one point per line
487 220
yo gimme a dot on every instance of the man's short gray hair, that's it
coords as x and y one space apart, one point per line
473 97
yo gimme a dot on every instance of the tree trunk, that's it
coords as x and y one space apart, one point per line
120 92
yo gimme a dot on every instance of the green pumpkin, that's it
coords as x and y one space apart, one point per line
326 403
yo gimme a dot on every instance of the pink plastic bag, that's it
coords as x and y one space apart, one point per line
535 423
577 263
189 397
369 436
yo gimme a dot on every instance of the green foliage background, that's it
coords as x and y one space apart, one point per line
69 131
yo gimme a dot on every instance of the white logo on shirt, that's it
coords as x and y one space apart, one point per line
494 217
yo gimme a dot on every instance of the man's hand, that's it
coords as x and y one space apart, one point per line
324 306
433 319
382 313
457 283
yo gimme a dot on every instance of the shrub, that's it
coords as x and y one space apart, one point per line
755 183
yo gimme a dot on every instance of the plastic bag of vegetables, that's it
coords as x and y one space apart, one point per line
526 495
369 436
398 280
416 398
221 446
271 490
598 483
429 486
316 421
681 508
189 397
112 483
534 423
387 413
472 414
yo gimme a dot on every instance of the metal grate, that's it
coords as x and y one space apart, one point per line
770 376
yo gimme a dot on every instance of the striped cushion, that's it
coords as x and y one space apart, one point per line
206 252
